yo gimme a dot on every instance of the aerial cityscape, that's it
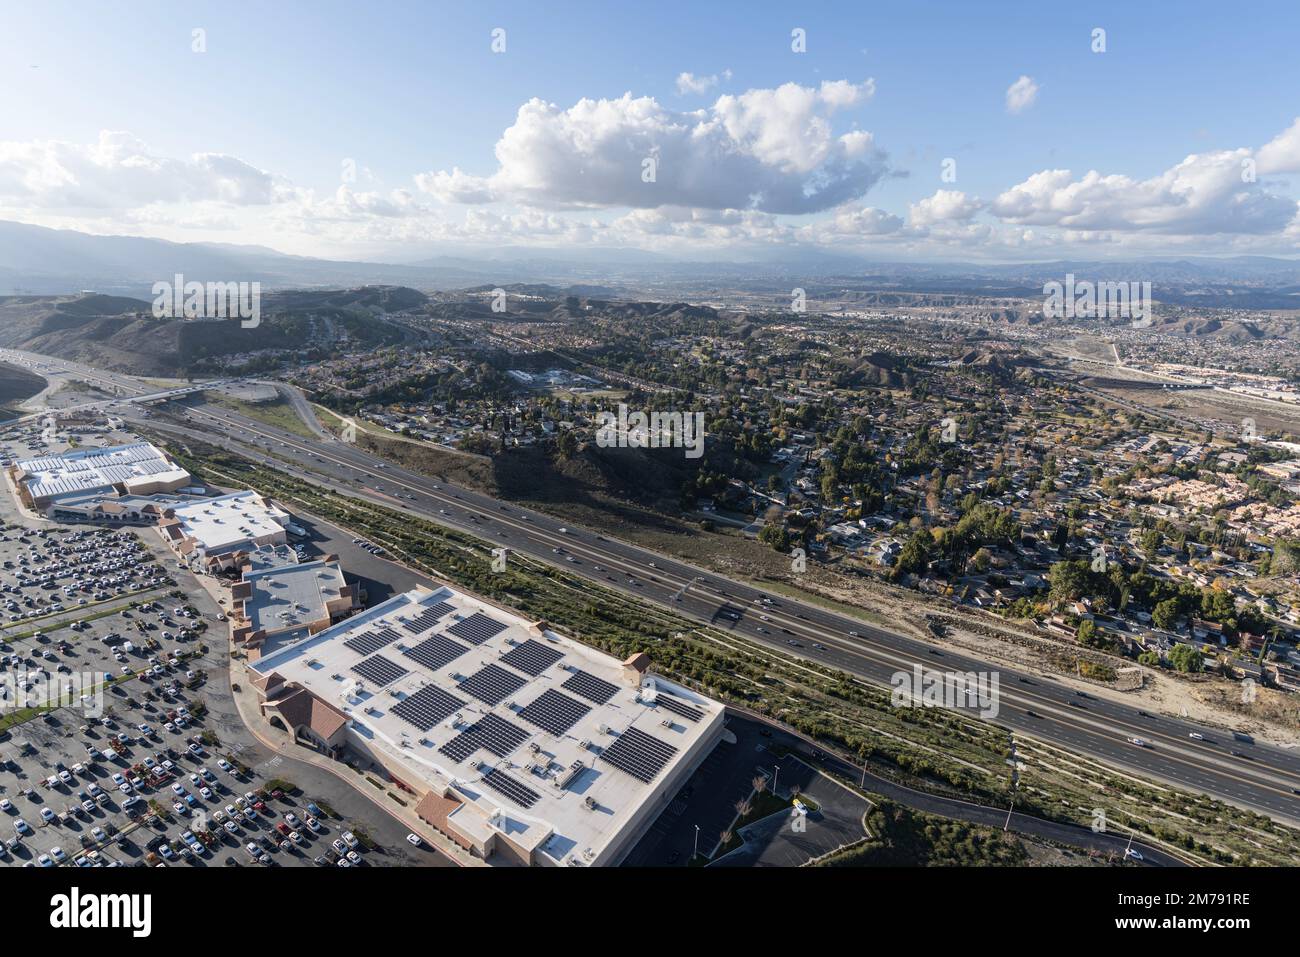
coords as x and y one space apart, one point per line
651 438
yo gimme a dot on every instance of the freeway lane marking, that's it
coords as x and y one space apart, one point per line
575 544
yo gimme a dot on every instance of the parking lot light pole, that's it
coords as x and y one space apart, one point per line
776 772
696 852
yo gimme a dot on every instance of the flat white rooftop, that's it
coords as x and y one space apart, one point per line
542 738
288 596
92 470
229 521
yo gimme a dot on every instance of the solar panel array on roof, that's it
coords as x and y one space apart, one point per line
92 469
477 628
496 734
636 753
386 632
503 783
679 707
596 690
427 618
532 657
491 684
554 712
436 651
368 642
427 707
379 669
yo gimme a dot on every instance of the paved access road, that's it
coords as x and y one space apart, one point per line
1258 777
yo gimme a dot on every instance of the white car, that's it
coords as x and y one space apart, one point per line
414 840
349 839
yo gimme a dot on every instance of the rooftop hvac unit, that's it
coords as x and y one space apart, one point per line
604 728
529 768
534 747
564 780
584 744
393 692
589 803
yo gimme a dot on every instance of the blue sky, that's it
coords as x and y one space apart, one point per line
113 124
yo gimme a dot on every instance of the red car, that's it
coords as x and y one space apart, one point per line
283 828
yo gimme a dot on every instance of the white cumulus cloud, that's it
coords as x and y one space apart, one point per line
946 205
1021 94
119 171
689 83
772 150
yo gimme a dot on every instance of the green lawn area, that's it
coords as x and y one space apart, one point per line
275 412
12 719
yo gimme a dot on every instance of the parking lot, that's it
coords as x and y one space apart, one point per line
705 807
786 839
136 755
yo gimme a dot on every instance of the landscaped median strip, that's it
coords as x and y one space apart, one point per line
934 748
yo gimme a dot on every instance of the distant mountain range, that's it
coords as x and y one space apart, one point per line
37 260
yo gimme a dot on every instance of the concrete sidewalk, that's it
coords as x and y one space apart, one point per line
247 705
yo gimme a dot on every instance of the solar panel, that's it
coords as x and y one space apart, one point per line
427 707
491 684
596 690
496 734
532 657
368 642
477 628
638 754
386 631
379 669
678 707
503 783
427 618
436 651
554 712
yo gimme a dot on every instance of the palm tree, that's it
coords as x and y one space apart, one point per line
760 783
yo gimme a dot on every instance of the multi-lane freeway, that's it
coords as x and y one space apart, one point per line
1216 761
